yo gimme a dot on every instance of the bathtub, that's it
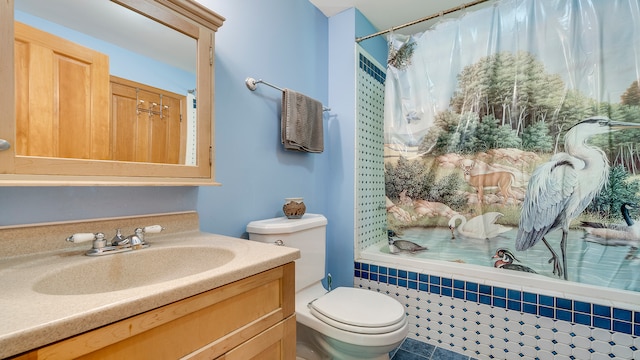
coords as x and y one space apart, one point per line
485 312
589 262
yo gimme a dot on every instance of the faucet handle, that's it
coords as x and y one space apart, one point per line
153 229
98 239
83 237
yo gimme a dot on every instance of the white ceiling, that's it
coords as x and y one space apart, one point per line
385 14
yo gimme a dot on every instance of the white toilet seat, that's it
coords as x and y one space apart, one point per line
358 311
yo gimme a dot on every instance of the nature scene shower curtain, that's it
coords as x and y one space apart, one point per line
510 140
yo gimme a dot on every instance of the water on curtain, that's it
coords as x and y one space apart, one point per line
510 141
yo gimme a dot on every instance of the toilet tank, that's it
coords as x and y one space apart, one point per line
307 234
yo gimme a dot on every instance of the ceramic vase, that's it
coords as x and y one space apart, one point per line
294 208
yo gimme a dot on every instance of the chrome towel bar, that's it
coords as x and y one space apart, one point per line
252 84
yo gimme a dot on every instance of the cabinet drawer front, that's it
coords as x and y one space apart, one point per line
276 343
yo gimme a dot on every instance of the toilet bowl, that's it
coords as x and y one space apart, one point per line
345 323
350 323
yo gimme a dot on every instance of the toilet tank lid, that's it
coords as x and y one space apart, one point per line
282 225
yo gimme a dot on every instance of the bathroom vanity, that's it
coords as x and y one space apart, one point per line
189 295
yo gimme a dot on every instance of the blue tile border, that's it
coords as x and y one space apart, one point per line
370 68
580 312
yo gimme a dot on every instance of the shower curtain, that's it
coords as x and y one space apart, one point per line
500 142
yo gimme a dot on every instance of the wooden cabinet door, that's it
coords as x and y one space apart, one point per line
62 91
275 343
147 123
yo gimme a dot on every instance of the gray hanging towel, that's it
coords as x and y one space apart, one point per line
301 123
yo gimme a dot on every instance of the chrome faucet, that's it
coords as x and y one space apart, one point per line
118 239
118 244
137 240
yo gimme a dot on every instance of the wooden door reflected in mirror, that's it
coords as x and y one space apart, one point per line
63 65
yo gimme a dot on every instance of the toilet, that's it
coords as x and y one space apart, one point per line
344 323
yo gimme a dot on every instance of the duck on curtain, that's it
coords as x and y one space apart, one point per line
501 141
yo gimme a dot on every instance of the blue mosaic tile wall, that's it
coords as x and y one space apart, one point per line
591 314
369 67
371 217
495 322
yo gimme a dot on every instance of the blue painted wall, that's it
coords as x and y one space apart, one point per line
341 187
283 42
26 205
375 46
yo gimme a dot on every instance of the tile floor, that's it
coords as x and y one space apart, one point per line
412 349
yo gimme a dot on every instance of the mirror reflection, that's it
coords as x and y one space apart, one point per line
103 82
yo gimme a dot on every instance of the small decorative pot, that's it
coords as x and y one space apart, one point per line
294 208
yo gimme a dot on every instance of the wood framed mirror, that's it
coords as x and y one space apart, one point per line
113 92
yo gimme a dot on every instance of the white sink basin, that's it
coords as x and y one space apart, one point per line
132 269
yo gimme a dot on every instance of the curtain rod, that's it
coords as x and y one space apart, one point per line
433 16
